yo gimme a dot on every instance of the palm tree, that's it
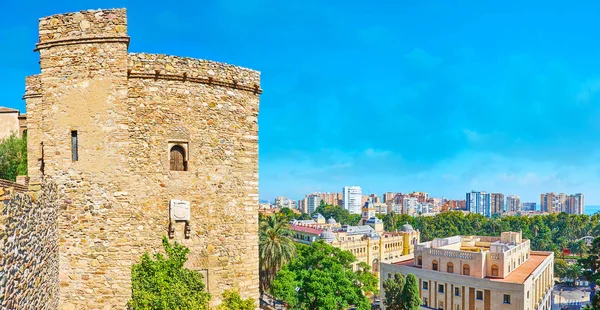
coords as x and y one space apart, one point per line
579 247
276 248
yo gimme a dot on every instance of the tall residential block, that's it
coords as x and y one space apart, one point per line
352 198
142 146
479 202
497 203
513 203
313 201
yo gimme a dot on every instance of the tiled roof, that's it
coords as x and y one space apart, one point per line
7 110
523 272
305 229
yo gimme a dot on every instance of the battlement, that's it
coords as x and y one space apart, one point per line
161 66
91 25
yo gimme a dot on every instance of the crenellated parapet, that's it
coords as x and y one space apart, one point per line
158 66
88 26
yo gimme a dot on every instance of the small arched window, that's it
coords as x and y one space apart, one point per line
450 268
494 270
434 265
178 159
466 270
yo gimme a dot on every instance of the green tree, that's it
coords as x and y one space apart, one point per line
276 248
579 247
560 268
13 157
393 292
163 284
321 277
410 293
233 301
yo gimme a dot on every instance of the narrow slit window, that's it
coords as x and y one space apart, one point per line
74 145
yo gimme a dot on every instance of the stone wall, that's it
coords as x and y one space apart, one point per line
28 249
128 109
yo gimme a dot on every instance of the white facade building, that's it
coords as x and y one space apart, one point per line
352 199
313 202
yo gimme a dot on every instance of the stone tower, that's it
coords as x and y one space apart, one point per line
122 135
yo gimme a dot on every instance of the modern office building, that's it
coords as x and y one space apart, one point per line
497 203
479 272
352 198
513 204
479 202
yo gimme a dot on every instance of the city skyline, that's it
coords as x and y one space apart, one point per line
357 94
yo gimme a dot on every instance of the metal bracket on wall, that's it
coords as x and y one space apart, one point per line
188 230
171 230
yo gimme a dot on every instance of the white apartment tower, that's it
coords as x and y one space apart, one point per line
352 199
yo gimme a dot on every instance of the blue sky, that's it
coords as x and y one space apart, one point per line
438 96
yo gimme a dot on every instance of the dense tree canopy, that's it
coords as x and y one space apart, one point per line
338 213
163 284
13 157
591 270
552 232
393 292
321 277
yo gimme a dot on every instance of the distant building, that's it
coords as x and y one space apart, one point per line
529 206
389 196
479 272
375 198
302 205
352 198
556 203
284 202
574 204
479 202
369 243
497 203
513 204
409 206
11 122
313 202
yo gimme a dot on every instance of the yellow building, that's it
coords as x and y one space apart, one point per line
368 241
479 273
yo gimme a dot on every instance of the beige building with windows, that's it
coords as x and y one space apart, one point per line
479 273
368 242
11 122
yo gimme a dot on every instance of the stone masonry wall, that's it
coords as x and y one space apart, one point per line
219 124
28 249
114 199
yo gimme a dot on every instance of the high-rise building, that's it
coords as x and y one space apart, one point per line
574 204
548 202
529 206
375 198
479 202
410 206
497 203
303 205
421 196
352 199
513 203
313 201
389 196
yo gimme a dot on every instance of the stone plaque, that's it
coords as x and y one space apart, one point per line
180 210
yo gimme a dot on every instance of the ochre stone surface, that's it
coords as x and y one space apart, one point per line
128 109
28 248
